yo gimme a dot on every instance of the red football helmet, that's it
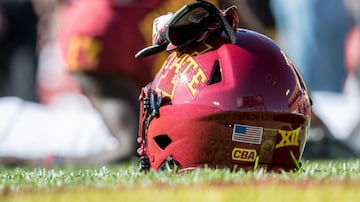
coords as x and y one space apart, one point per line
225 105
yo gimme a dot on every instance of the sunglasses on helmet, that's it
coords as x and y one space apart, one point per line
191 21
188 24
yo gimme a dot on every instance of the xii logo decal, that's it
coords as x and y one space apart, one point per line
289 138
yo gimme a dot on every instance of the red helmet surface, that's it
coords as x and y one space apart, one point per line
222 103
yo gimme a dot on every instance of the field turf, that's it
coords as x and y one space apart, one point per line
326 180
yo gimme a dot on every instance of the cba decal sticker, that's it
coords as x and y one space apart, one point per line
242 154
289 138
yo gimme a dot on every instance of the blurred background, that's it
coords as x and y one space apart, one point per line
321 36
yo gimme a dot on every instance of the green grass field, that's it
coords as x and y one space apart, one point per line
336 180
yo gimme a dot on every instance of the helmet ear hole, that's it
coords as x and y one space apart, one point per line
216 76
162 141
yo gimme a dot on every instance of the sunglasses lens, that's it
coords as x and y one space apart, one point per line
186 28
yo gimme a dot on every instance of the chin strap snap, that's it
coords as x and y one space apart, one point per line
144 164
170 165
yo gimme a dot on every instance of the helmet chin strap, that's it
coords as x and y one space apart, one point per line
150 103
296 162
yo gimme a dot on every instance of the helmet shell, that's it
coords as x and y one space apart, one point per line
230 105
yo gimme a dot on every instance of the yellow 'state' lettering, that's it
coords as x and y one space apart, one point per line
181 69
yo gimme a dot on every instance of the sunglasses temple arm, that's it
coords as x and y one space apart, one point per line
151 50
228 29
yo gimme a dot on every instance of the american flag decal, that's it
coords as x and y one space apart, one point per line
247 134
